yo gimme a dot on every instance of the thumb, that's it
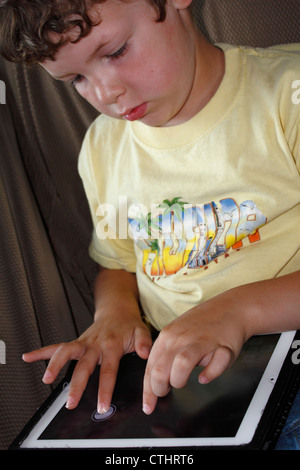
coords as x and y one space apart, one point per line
143 342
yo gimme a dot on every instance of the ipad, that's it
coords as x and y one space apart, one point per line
225 412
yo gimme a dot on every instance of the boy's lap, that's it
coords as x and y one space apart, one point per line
290 435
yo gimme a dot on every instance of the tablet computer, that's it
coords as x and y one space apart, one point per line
234 410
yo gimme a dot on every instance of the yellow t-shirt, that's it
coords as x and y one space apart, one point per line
201 207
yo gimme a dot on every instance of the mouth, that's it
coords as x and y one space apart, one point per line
135 113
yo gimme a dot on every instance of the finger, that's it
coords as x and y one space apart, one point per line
107 380
64 353
220 360
183 365
160 377
40 354
80 377
149 398
156 378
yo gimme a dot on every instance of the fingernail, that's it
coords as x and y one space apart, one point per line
203 380
146 350
102 409
70 403
146 409
47 376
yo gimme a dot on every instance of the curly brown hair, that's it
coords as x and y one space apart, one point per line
26 26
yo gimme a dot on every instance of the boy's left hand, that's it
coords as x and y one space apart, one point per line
210 335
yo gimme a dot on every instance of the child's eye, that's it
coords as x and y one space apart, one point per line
77 80
118 53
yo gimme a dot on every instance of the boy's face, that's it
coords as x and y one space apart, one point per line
132 67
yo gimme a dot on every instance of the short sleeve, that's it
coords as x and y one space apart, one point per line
106 248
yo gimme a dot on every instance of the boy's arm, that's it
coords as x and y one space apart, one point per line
117 329
117 292
213 333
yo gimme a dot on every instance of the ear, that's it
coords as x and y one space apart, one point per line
181 4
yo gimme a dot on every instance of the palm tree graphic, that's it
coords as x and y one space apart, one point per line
176 208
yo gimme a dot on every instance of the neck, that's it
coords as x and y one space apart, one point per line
209 73
210 69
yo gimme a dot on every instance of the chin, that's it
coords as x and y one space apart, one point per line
154 121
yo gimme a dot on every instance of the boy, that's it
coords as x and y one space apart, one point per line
213 255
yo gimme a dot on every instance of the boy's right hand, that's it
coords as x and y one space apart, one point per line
104 342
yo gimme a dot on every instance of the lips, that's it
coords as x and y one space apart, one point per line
136 113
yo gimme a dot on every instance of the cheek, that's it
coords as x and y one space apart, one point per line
150 67
91 98
156 77
167 70
86 94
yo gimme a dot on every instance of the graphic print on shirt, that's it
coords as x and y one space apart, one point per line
176 235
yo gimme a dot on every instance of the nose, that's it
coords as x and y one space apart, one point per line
107 91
